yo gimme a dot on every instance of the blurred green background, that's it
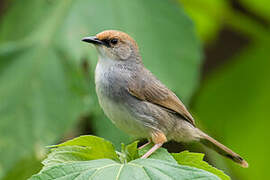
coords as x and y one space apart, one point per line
214 54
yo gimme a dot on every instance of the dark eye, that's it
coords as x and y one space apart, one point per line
114 41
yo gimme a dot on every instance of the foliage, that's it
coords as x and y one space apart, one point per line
196 160
129 152
69 160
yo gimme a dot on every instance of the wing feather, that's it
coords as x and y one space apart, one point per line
147 88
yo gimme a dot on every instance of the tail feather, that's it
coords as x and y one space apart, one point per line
221 149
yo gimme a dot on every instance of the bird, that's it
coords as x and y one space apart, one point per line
138 103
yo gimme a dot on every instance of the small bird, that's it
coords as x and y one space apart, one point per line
138 103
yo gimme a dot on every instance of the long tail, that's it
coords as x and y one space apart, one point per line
221 149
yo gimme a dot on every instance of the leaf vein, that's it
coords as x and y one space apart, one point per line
119 172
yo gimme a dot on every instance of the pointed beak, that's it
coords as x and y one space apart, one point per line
93 39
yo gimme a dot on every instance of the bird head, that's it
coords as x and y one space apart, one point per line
114 45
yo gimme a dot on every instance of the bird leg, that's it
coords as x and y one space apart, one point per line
159 139
142 146
153 149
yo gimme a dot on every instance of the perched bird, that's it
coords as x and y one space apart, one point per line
137 102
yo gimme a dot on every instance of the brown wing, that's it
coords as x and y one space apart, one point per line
147 88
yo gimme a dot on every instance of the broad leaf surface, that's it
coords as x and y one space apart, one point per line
109 169
81 152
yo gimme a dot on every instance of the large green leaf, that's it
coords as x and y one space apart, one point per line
86 148
43 91
109 169
234 105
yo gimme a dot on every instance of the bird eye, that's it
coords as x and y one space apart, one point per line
114 41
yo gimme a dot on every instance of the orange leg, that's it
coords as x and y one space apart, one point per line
159 139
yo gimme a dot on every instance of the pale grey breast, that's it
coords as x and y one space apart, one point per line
111 81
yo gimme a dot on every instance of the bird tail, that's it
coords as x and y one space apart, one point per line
221 149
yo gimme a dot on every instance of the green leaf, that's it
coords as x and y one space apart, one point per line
196 160
109 169
68 153
43 88
81 148
161 154
129 152
74 159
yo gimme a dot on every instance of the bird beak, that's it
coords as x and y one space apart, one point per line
93 40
